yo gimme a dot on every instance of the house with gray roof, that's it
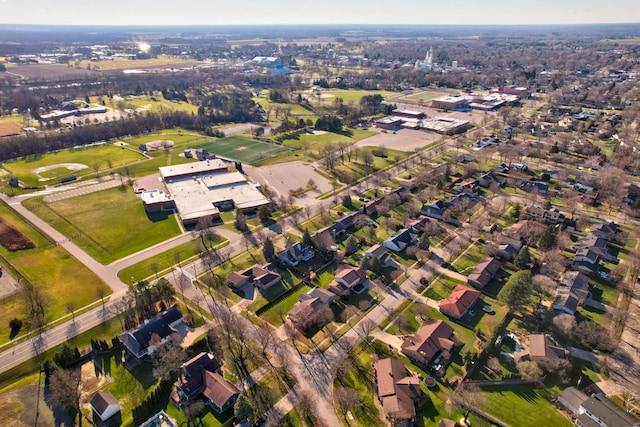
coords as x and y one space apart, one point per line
143 340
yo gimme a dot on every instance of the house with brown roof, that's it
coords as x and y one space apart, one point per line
190 384
483 272
261 276
543 349
428 342
459 302
220 394
346 279
398 391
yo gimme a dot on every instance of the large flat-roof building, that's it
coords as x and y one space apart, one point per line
445 125
451 103
200 190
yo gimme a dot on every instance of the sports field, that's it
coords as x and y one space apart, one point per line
242 149
426 95
109 224
28 169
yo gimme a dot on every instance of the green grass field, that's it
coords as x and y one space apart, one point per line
108 224
427 95
164 260
243 149
63 278
91 156
524 406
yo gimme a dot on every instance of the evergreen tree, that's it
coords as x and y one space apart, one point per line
268 251
423 242
306 238
351 245
243 410
374 264
523 259
548 238
517 291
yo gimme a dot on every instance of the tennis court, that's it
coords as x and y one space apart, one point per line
243 149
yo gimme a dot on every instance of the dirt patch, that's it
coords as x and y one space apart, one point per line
12 239
8 129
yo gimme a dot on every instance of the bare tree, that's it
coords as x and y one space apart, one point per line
66 388
346 399
467 397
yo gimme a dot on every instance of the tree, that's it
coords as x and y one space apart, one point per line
346 399
264 213
306 238
35 302
517 291
268 250
523 258
530 371
351 245
243 410
193 411
375 265
494 365
167 360
548 238
423 242
240 222
467 397
66 387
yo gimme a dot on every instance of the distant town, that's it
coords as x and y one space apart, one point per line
320 225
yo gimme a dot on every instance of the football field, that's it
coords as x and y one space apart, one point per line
242 149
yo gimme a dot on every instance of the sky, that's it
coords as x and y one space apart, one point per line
218 12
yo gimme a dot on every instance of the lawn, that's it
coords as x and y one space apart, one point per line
165 260
153 104
360 378
63 278
91 156
441 287
351 95
524 406
276 314
109 224
465 263
427 95
315 142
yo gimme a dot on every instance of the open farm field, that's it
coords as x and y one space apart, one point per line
49 71
131 64
243 149
41 169
109 224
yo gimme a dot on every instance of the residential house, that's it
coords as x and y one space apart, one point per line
459 302
606 230
105 409
261 276
220 394
541 187
340 226
485 270
295 254
428 342
346 280
553 216
190 384
383 255
596 410
399 241
398 391
471 189
534 213
144 340
508 246
544 350
418 225
572 292
587 260
571 398
445 422
435 210
325 296
488 179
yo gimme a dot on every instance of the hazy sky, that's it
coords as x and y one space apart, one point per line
218 12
